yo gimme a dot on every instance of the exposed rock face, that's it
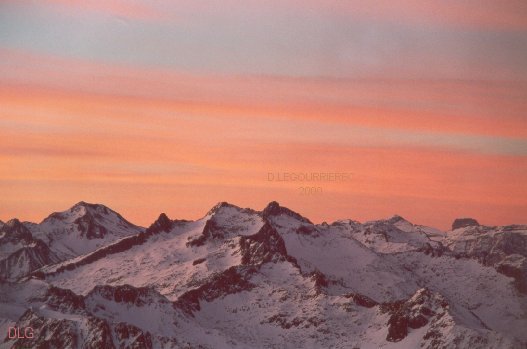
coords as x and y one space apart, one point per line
413 313
224 223
233 280
211 231
137 296
87 218
224 204
81 208
307 230
274 209
25 260
362 300
283 321
65 301
14 231
162 224
464 222
132 337
199 261
265 246
55 333
435 251
82 229
504 248
515 266
81 328
320 281
89 228
20 252
396 218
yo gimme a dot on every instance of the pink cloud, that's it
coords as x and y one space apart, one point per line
499 15
134 10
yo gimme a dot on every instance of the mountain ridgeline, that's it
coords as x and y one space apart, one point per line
271 278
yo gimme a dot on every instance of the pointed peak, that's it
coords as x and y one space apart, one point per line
163 217
163 220
162 223
272 205
396 218
13 223
219 206
274 209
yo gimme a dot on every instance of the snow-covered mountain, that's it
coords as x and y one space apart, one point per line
20 253
82 229
242 278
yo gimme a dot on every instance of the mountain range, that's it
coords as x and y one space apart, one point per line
244 278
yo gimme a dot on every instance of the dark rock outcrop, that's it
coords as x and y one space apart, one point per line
433 251
137 296
320 281
89 228
464 222
233 280
162 224
27 253
199 261
265 246
219 206
90 222
131 337
26 260
514 266
307 229
361 300
274 209
64 301
211 230
14 231
395 219
413 313
63 333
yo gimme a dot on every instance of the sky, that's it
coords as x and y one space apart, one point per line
172 106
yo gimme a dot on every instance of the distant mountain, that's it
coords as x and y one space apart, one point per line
243 278
504 248
82 229
20 253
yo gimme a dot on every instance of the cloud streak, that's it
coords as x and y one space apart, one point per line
185 104
434 39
